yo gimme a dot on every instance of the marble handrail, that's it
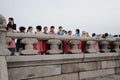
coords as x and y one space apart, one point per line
55 40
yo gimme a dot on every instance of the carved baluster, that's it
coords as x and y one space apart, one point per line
29 46
116 45
74 46
91 46
54 46
3 44
105 46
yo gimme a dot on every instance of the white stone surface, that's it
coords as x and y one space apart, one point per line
33 72
44 57
96 73
29 46
72 76
70 68
54 44
89 66
90 46
117 70
100 56
3 69
108 64
118 63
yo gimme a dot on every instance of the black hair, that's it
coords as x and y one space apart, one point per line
106 34
45 27
39 27
93 34
69 31
29 28
52 27
8 26
22 28
60 27
78 30
11 18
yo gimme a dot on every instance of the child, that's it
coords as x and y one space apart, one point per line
44 43
78 35
19 45
52 32
45 30
12 45
67 47
60 32
39 46
30 30
96 46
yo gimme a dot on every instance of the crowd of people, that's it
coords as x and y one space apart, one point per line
41 46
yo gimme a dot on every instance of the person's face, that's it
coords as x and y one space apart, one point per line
23 31
52 29
31 29
60 29
11 21
9 29
76 31
70 33
37 29
45 29
83 33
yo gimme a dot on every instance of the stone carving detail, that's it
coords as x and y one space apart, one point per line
104 46
74 45
91 46
29 46
2 20
3 33
116 45
54 44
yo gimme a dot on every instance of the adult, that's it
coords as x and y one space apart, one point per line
60 32
11 23
20 46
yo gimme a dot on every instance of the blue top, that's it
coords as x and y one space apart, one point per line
77 34
60 33
45 32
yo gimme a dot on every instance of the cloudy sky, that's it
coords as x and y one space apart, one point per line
97 16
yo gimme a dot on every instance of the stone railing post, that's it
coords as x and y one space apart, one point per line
91 46
3 44
54 46
116 45
29 50
3 49
104 46
74 46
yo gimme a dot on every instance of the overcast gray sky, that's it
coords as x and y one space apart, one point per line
97 16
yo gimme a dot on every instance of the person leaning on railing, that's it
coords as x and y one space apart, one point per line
12 45
20 46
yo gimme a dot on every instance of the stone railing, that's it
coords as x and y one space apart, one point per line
73 66
55 40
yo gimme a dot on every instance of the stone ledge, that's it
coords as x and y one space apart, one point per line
23 73
118 63
96 73
89 66
19 61
109 64
117 70
3 69
73 76
43 57
100 56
